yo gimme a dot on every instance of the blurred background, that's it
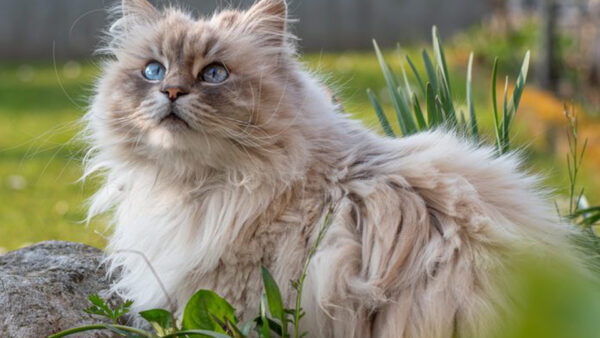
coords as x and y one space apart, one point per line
47 71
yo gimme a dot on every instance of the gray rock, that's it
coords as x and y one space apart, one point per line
44 289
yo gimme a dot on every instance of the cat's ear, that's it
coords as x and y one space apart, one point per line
269 19
139 9
125 18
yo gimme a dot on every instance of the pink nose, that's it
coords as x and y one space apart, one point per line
174 92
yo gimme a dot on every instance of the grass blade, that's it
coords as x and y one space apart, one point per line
446 102
433 114
438 50
416 73
474 131
403 113
505 145
407 87
519 86
385 123
419 113
274 299
430 71
265 331
440 108
462 123
495 106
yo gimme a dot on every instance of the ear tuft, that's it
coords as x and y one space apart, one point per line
140 9
124 19
276 8
268 17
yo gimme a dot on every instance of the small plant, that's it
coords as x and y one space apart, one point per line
208 315
579 210
101 308
574 159
437 98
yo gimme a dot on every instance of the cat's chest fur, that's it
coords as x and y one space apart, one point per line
210 236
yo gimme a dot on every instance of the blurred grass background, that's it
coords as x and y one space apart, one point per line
41 103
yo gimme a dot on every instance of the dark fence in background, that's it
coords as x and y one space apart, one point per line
30 28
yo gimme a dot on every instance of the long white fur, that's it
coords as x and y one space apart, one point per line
425 228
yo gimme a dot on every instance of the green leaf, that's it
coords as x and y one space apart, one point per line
474 131
510 107
505 121
123 309
430 71
590 216
201 308
272 325
403 112
274 299
462 123
440 108
161 320
416 73
94 310
449 113
442 74
519 86
101 308
407 88
433 115
418 113
97 300
581 212
264 331
438 50
385 124
593 219
495 106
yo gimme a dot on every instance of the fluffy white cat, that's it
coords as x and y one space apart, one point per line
221 154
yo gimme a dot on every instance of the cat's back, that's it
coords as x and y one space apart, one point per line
424 235
445 169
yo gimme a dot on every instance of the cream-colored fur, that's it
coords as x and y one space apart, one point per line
425 228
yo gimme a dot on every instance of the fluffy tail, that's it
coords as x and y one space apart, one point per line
427 244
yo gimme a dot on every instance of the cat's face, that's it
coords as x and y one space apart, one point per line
184 84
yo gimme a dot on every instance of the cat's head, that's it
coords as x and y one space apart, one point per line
209 87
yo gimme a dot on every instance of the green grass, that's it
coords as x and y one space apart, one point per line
40 162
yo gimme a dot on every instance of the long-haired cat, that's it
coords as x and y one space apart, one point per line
221 154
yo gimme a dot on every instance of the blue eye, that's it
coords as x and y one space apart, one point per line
154 71
215 73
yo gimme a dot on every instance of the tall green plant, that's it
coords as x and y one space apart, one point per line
433 106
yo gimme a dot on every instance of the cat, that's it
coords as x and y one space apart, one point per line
220 154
